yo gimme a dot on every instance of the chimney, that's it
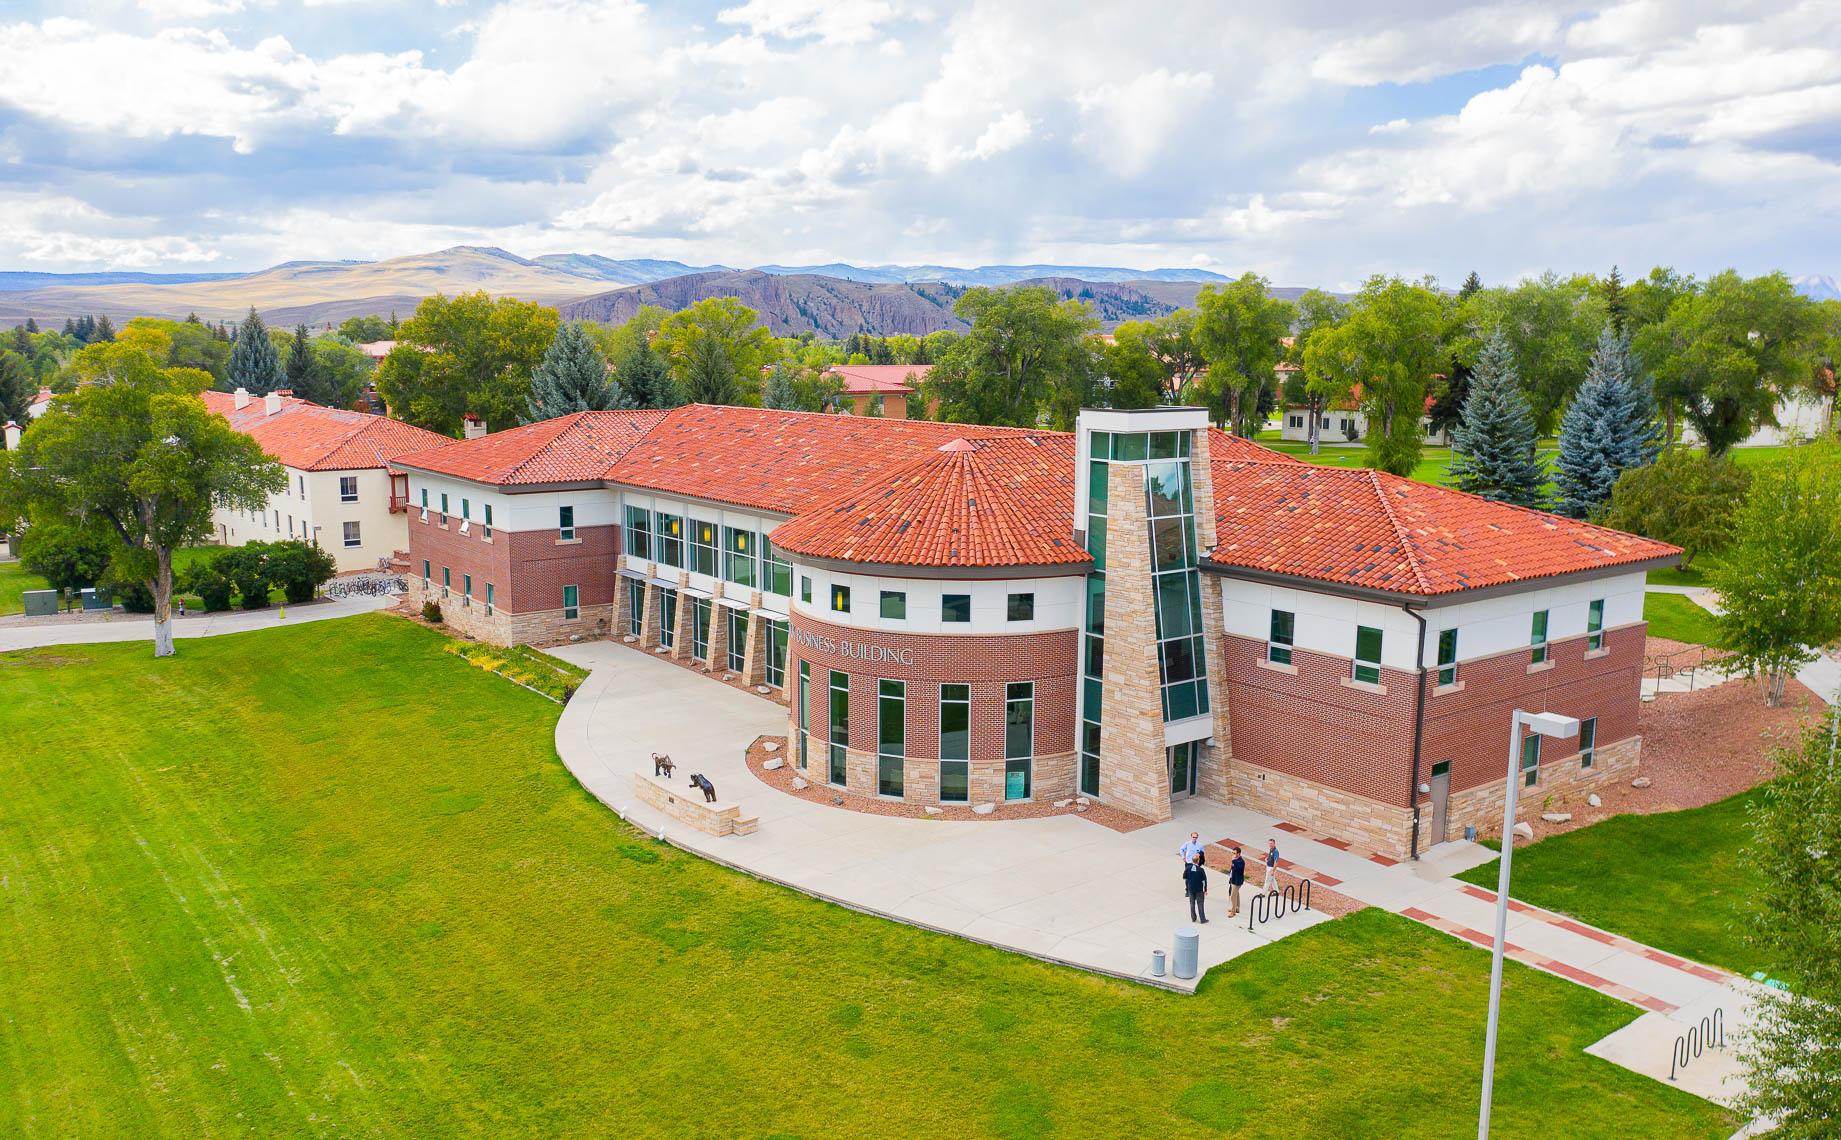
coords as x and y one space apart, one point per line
475 426
12 436
241 398
271 404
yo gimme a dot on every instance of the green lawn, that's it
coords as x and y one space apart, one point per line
1674 880
1434 462
331 879
1679 618
1695 575
14 582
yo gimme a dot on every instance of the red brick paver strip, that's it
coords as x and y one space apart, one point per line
1573 926
1541 961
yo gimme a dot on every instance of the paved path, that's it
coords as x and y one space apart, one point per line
137 628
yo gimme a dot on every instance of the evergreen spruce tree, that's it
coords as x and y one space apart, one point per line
300 367
1494 444
709 374
572 377
1472 284
31 325
22 343
1596 443
780 393
1616 301
70 327
645 380
254 363
104 331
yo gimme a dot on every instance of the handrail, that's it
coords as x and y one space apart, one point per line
1709 1034
1290 900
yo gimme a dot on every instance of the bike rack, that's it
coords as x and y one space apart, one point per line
1269 905
1709 1034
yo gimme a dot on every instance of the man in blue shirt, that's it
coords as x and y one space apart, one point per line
1191 849
1271 883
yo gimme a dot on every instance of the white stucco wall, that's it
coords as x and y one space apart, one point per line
1057 606
311 507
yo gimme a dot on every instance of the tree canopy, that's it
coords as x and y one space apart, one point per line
254 363
470 353
1239 328
1686 497
1388 348
1026 351
1494 445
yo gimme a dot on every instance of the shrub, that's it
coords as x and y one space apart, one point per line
1685 497
431 612
213 590
64 555
247 568
134 596
299 567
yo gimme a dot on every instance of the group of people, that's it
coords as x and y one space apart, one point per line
1195 876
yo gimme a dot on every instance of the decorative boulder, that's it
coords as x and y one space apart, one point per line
772 746
629 639
1640 782
774 765
800 783
1063 803
1557 816
984 809
762 689
1525 830
1083 801
662 650
1593 800
935 811
837 801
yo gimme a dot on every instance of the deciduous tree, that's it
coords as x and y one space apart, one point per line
64 554
1685 497
1239 327
464 354
1551 324
1317 311
1025 344
135 456
740 339
1494 446
1388 348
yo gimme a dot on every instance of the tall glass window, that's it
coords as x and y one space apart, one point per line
738 639
1177 585
1594 625
805 712
703 547
668 545
1530 758
1019 738
1279 637
955 743
1537 638
776 570
738 556
639 532
1367 654
839 737
700 628
667 617
891 735
1588 741
565 521
635 606
1447 656
776 653
571 595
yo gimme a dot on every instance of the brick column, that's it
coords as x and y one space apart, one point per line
648 621
719 632
681 631
1135 773
754 655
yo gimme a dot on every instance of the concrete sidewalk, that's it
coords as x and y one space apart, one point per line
138 628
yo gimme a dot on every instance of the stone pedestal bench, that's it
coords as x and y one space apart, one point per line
686 804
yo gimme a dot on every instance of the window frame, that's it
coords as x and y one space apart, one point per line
837 730
1368 670
1020 606
946 603
1279 648
351 534
565 523
1539 651
1588 741
896 600
1594 625
1530 759
1447 666
891 693
350 496
840 593
1019 695
956 743
572 603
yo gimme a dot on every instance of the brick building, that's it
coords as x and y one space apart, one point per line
1139 611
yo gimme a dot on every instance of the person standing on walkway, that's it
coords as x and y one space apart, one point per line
1271 884
1193 849
1195 885
1236 875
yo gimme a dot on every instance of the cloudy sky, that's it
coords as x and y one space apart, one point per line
1313 142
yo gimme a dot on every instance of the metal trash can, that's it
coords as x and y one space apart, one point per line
1157 963
1188 951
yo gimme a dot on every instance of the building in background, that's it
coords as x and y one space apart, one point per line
880 389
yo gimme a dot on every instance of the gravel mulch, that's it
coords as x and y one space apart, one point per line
781 779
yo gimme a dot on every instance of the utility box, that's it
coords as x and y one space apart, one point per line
41 603
97 598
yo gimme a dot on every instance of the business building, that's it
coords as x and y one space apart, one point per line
1139 611
342 491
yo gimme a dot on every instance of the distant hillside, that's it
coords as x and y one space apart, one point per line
988 274
18 282
629 271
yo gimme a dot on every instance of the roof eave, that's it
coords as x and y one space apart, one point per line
1434 601
910 570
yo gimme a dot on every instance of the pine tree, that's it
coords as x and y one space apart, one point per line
572 377
1599 437
70 327
1472 284
31 325
780 394
645 380
22 343
709 375
1494 445
300 366
1616 301
254 363
104 331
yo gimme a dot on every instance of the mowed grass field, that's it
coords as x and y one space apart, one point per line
14 582
1675 880
330 879
1680 618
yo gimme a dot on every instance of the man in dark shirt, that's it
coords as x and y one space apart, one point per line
1236 875
1195 885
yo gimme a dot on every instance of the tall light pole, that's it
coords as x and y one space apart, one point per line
1541 724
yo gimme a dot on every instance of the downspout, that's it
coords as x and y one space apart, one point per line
1418 722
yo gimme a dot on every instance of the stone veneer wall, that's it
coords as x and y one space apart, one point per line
1321 808
545 627
1559 779
1134 768
1052 778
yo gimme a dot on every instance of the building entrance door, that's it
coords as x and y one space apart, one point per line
1441 799
1181 760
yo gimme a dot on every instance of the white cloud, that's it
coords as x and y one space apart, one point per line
1409 51
1390 127
831 21
172 10
1126 125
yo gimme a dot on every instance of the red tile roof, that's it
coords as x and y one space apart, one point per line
1005 501
1364 528
568 449
870 379
309 437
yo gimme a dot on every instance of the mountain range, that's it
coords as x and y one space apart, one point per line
830 300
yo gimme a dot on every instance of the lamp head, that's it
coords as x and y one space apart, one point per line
1551 724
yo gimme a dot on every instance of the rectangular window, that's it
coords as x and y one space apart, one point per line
1538 638
1594 625
776 653
638 537
894 605
776 571
955 743
571 610
668 540
466 587
352 535
290 526
738 640
738 556
891 735
488 533
447 580
667 618
1019 738
1279 637
425 574
1447 656
488 599
700 629
635 607
1368 654
444 508
348 488
805 589
466 511
840 599
703 547
839 738
1588 741
956 608
1530 758
1021 607
565 524
805 712
302 480
425 500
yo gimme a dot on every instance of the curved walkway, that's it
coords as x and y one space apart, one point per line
39 634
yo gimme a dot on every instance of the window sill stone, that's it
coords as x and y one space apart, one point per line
1364 686
1276 667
